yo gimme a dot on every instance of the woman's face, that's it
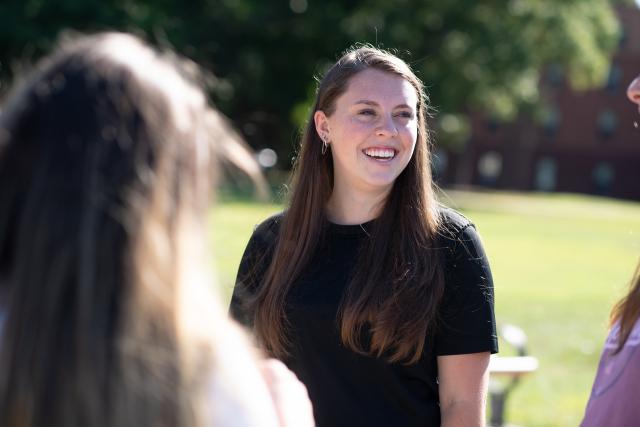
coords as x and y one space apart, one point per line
634 91
372 130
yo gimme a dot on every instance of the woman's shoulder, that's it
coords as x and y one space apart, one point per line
453 224
613 338
267 231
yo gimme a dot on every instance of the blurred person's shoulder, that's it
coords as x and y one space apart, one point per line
238 393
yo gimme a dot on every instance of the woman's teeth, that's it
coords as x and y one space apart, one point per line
380 153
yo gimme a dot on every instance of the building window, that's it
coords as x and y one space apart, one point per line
492 124
607 123
546 174
614 79
551 121
623 37
556 75
603 175
490 168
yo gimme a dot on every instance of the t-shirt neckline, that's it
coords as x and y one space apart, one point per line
351 229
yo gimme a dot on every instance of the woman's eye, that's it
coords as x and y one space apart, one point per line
405 114
367 113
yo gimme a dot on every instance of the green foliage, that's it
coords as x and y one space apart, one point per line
486 55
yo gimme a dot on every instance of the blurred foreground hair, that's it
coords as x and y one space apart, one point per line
627 311
106 174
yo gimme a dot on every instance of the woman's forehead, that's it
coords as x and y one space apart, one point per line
380 87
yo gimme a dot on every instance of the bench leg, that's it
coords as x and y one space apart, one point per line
498 399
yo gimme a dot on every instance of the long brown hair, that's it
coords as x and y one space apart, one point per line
398 281
106 172
627 311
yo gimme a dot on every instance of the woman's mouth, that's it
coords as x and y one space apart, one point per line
381 154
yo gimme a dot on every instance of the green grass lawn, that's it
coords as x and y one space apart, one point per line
559 263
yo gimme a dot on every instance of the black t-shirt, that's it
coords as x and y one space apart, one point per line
349 389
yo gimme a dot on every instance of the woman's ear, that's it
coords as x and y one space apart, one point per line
322 124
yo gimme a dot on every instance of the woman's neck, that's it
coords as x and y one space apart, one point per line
347 206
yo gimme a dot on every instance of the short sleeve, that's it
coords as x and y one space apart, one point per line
253 267
466 321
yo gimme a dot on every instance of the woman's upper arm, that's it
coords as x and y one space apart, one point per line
466 315
466 334
462 385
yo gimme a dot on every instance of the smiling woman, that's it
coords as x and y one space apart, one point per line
378 298
372 133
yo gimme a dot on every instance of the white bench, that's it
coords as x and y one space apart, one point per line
512 366
506 371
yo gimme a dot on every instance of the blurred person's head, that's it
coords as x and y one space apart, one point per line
394 92
106 172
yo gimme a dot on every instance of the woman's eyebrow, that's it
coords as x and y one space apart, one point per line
366 102
375 104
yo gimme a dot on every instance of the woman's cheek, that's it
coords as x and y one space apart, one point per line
412 133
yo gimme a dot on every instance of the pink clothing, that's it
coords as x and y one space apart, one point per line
615 396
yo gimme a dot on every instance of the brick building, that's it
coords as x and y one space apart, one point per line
588 143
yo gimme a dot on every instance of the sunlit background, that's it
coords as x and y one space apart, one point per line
535 140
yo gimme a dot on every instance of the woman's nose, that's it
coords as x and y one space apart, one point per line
634 91
387 127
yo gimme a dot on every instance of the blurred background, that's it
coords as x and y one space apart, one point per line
535 139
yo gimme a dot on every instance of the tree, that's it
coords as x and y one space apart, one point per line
487 54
